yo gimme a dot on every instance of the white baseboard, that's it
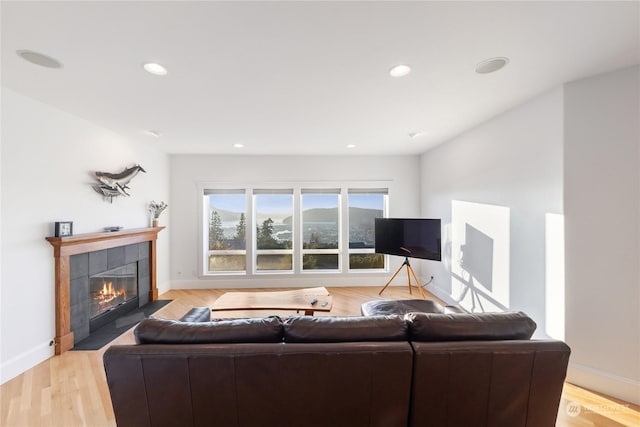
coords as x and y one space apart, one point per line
165 287
241 282
584 376
439 293
25 361
613 385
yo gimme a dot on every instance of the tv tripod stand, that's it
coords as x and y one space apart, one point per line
410 273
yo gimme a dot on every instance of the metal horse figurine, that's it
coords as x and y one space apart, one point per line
115 184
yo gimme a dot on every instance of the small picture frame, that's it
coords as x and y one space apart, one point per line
64 228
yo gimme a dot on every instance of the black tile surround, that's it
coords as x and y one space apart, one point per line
85 265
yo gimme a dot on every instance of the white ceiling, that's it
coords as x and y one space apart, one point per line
306 77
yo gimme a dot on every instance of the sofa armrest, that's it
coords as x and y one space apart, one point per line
197 314
449 309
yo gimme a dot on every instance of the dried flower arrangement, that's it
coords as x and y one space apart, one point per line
156 208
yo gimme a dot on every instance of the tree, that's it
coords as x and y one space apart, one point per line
241 228
314 241
265 236
216 234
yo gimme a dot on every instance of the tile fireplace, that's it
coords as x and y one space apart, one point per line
99 277
107 284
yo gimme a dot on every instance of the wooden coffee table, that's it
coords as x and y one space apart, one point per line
299 299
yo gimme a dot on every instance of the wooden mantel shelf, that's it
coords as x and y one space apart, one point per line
81 243
64 247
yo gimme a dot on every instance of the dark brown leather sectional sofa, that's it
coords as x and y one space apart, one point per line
420 369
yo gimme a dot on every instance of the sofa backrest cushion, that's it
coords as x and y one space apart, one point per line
251 330
469 326
303 329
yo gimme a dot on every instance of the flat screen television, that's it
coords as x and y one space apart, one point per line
409 237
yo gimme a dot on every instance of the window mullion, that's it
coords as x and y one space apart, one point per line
344 232
297 231
251 228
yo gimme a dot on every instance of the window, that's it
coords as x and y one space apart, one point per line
299 230
226 230
320 230
274 230
364 207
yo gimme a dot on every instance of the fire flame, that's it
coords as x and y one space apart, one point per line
109 293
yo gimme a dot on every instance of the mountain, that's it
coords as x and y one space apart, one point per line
225 216
319 215
363 218
358 217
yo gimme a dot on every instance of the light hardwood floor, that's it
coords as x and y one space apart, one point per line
71 390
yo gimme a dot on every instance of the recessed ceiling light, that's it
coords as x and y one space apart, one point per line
39 59
238 145
492 64
351 145
417 134
156 69
400 70
154 133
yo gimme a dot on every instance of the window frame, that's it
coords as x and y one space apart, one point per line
333 251
356 251
255 225
296 250
207 252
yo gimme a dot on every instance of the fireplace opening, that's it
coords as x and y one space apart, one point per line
112 293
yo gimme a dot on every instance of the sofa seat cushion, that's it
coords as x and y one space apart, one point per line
251 330
302 329
469 326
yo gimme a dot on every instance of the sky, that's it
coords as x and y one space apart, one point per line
367 201
283 203
274 203
228 202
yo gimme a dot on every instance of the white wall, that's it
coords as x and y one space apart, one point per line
573 151
48 157
399 173
501 178
602 212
